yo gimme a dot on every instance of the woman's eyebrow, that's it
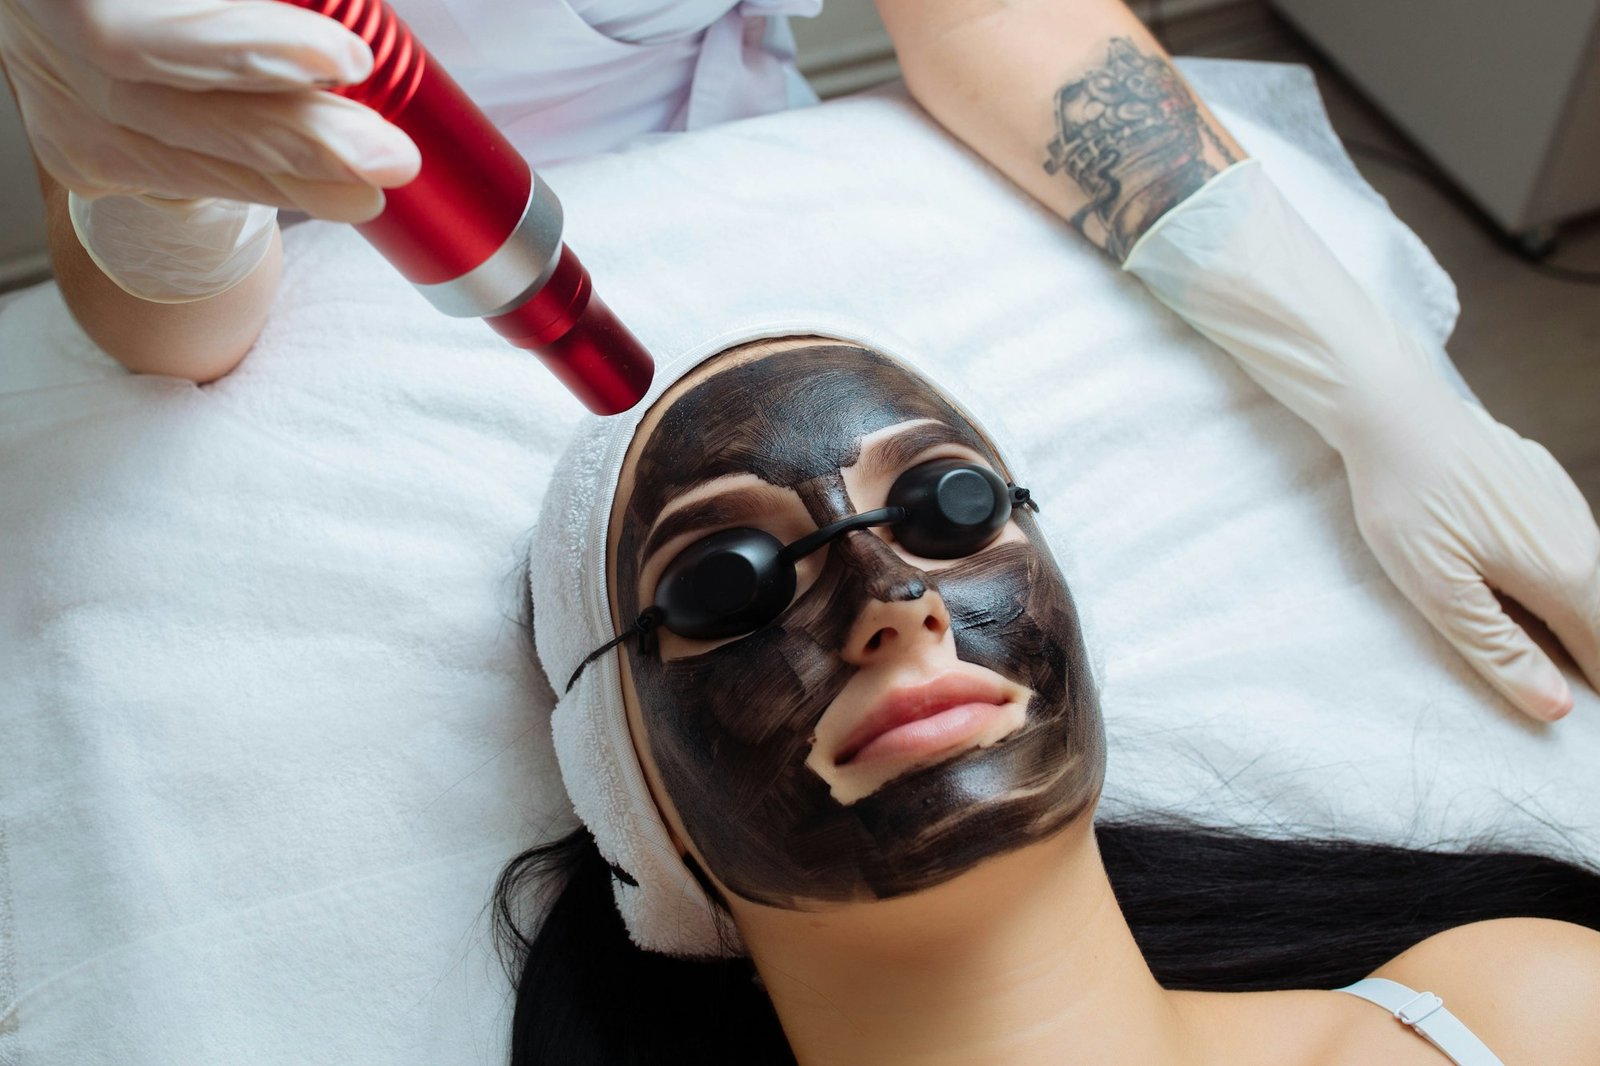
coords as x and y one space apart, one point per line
735 505
890 455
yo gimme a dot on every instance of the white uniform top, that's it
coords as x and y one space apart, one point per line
565 78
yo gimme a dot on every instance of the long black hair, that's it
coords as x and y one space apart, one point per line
1248 913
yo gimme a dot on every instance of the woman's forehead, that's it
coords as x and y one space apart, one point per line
788 417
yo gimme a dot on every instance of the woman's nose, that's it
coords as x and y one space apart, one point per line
902 610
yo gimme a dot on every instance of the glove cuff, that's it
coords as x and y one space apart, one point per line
1239 264
172 251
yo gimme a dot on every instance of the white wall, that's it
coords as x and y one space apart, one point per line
1490 89
845 48
22 253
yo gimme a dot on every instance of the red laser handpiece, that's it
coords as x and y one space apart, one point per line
477 232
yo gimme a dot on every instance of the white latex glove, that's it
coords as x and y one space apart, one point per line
1451 502
191 99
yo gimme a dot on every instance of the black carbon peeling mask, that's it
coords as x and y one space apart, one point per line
731 728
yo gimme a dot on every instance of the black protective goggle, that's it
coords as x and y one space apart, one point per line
735 581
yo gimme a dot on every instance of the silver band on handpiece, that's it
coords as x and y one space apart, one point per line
515 271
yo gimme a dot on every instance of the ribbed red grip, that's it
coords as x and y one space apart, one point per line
468 198
397 60
473 185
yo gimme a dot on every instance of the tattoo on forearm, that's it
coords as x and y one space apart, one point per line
1129 134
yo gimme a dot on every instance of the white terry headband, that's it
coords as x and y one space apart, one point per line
661 903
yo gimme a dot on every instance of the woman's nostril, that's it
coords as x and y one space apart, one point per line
877 639
931 624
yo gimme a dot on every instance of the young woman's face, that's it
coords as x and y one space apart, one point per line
904 718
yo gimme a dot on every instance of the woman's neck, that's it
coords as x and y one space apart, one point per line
1024 960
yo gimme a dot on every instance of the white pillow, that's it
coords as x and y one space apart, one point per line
271 727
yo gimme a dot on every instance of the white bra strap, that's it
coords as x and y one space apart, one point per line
1424 1012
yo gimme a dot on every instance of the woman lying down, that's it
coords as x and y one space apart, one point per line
834 741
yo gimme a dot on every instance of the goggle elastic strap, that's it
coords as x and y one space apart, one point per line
883 516
648 620
651 617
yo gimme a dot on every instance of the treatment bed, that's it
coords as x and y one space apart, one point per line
270 722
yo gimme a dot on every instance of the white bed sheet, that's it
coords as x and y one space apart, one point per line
269 726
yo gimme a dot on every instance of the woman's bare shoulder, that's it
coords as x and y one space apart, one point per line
1528 987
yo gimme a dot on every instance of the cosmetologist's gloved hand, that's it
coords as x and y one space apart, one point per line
1451 502
200 98
135 104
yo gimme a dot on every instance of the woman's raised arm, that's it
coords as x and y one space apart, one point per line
1078 105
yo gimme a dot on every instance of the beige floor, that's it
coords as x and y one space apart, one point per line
1528 344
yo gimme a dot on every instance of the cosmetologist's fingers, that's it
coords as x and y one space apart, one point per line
129 163
311 135
1569 603
1498 648
242 45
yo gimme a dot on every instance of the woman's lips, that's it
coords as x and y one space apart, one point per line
919 723
948 729
918 719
